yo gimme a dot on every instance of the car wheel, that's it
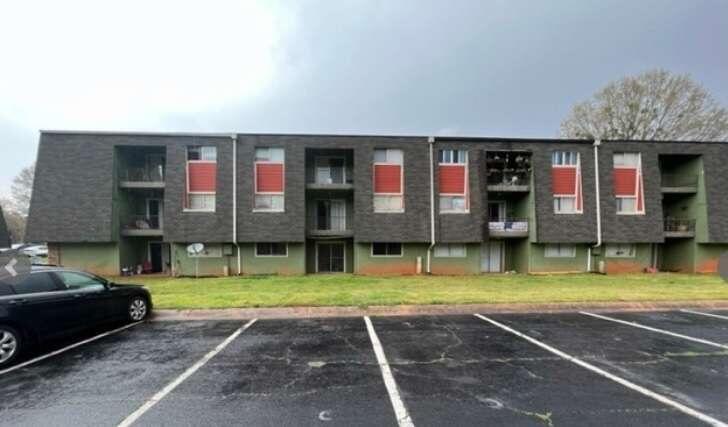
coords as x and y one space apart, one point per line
10 343
138 309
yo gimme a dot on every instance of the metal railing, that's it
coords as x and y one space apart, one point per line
506 178
509 225
679 180
141 222
674 225
143 174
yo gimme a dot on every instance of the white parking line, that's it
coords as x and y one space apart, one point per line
400 411
180 379
660 398
717 316
65 349
660 331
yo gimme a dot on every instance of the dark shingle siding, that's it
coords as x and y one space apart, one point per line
74 189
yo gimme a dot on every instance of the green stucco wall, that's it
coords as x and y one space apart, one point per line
470 264
706 257
294 263
406 264
540 264
97 258
184 265
613 265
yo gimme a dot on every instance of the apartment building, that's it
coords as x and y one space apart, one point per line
296 204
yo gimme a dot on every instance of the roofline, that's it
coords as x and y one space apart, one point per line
446 138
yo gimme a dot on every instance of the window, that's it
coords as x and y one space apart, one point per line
74 280
617 250
269 180
450 250
388 177
566 182
34 283
560 250
453 181
204 153
386 249
201 178
453 157
628 185
271 249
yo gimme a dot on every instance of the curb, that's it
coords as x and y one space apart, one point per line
426 310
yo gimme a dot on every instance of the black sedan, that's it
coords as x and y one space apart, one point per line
52 302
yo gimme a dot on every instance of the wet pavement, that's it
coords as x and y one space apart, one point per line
457 370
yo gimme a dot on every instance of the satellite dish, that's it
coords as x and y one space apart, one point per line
195 248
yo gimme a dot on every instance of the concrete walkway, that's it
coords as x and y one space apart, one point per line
419 310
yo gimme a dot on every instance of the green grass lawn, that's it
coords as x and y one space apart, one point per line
350 290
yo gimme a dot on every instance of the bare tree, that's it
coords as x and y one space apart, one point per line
655 105
21 190
14 221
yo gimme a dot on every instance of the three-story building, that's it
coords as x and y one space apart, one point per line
295 204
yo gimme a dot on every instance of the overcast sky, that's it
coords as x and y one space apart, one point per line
485 68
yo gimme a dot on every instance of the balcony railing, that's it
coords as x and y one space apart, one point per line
511 227
679 227
149 176
679 181
141 225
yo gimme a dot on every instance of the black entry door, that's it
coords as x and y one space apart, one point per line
155 255
331 257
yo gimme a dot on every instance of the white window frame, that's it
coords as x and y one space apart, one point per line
612 250
186 208
257 255
401 252
560 249
257 193
639 181
466 194
210 251
449 250
401 182
562 165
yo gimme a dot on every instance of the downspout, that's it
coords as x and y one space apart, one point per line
597 143
431 141
234 139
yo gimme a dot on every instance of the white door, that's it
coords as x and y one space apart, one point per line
491 257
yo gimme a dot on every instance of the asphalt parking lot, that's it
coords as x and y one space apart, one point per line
671 368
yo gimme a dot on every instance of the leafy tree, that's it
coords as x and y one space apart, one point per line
655 105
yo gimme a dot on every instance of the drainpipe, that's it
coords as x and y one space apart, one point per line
431 141
597 143
234 139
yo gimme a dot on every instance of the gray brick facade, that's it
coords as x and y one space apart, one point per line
75 189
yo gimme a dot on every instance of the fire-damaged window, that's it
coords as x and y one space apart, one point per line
453 181
387 249
388 181
628 186
508 168
566 182
269 177
201 179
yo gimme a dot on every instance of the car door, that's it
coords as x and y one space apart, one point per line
41 303
92 293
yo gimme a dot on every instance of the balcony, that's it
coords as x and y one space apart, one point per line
329 220
142 225
508 171
142 177
511 227
679 228
679 184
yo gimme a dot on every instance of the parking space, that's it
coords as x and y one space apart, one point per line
285 372
101 383
691 373
459 370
